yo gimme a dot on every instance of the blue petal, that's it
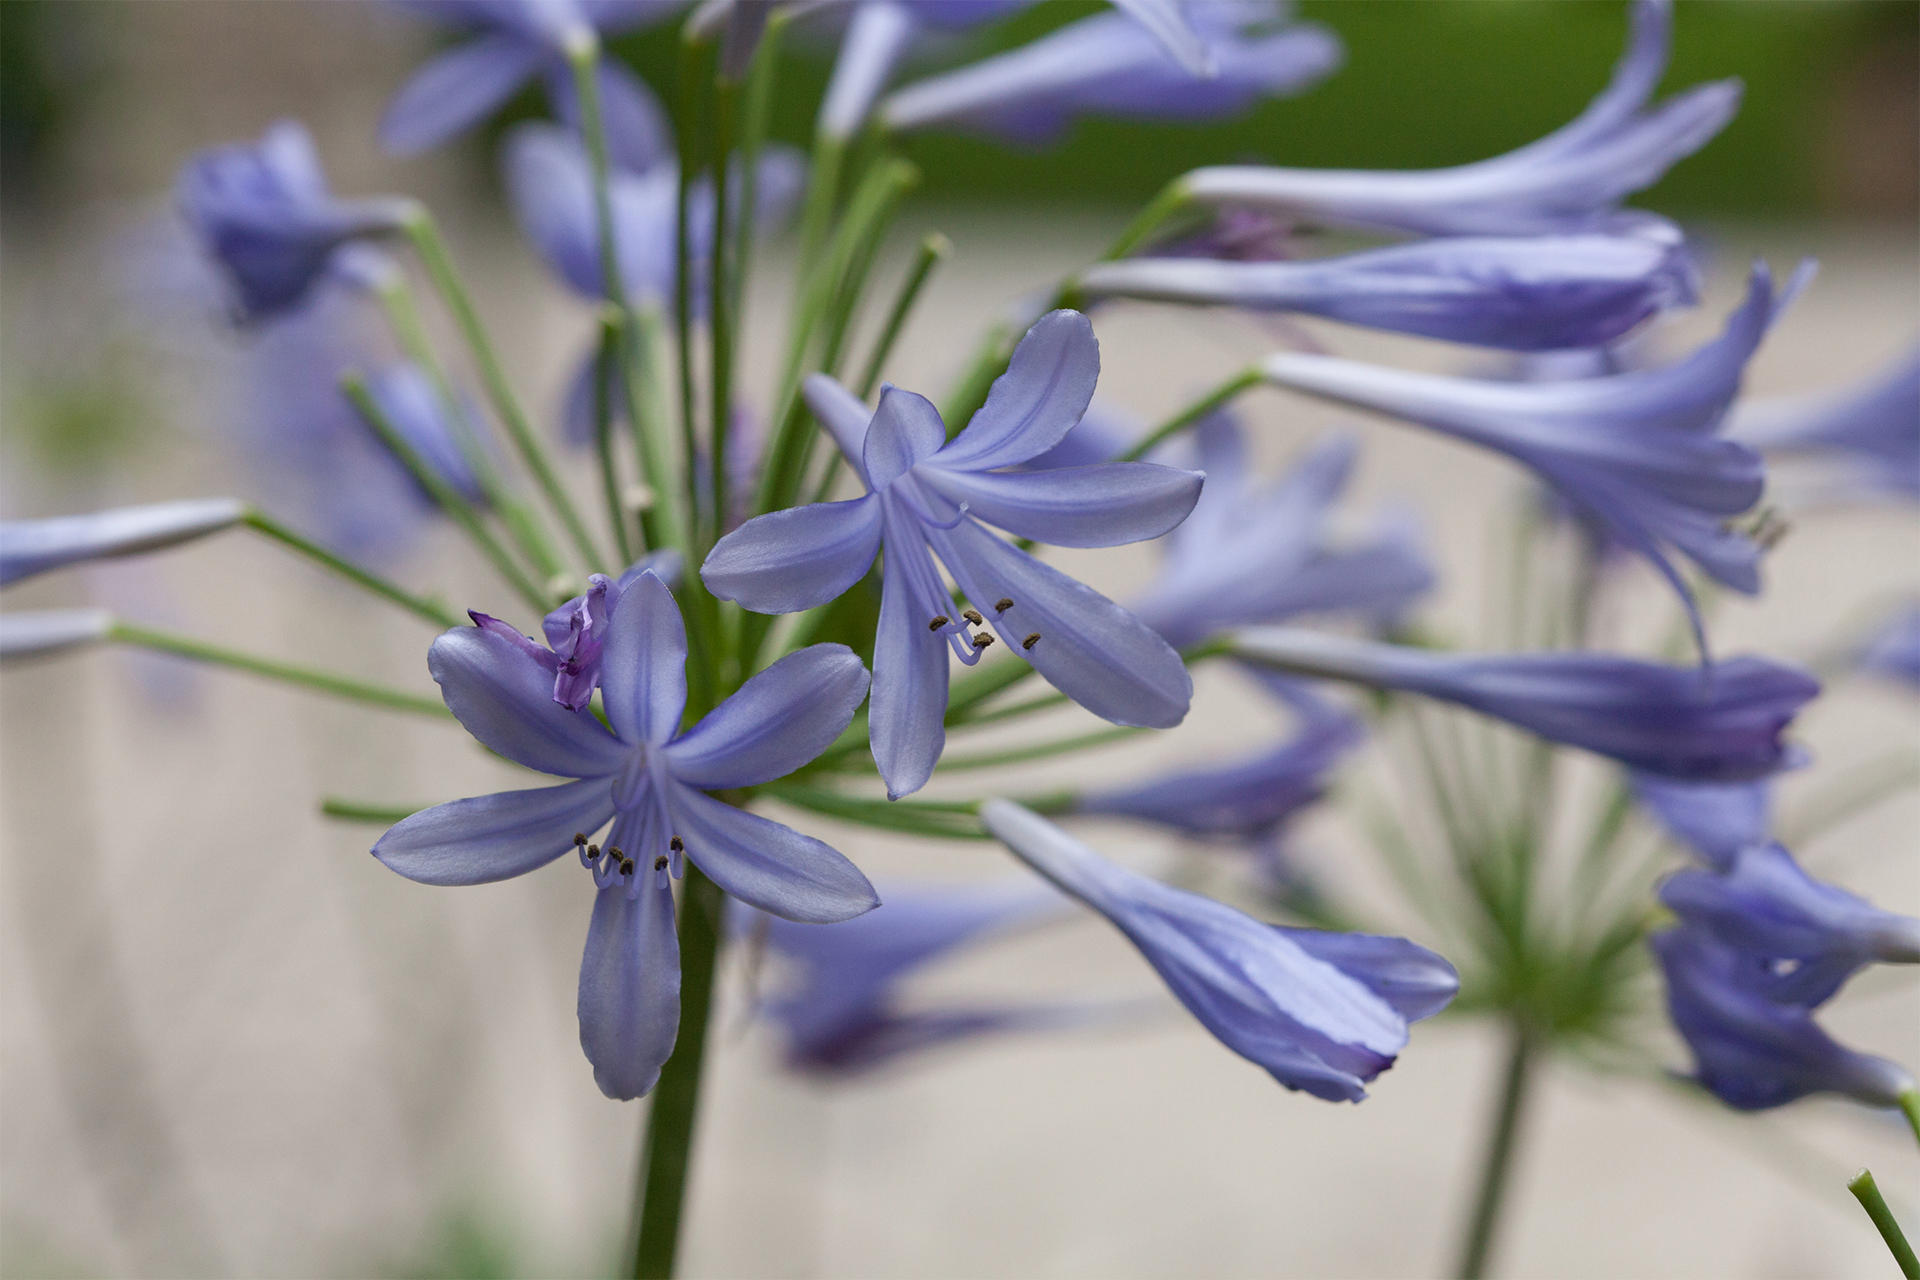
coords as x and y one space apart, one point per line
550 190
630 985
32 633
876 37
786 561
906 718
1764 902
505 699
495 837
765 864
906 430
1104 505
28 547
777 721
1032 406
1715 820
643 673
456 90
1415 981
1168 22
638 134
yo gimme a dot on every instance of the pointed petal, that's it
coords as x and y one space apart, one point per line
880 32
767 865
1415 981
906 430
456 90
1168 22
496 837
505 699
842 414
1033 405
774 723
630 985
1098 506
906 721
643 672
28 547
786 561
549 187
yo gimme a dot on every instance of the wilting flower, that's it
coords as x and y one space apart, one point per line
1894 648
1110 65
1721 724
1573 178
28 547
651 779
34 633
263 211
576 631
929 496
1868 433
1638 452
514 41
1322 1012
1811 936
1521 293
1752 1051
1714 819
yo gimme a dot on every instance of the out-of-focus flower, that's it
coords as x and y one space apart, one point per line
263 211
34 633
1639 452
28 547
1894 648
1322 1012
1573 178
514 41
576 631
1720 724
1868 433
1109 64
1750 1050
1521 293
651 780
1716 820
927 496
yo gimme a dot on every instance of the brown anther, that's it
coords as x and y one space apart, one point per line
1030 641
677 844
938 621
626 866
593 851
1003 604
982 640
613 851
660 863
973 616
579 840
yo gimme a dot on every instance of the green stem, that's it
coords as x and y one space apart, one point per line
1172 199
753 136
934 250
1910 1108
909 817
1497 1164
286 672
1040 750
667 1151
726 101
384 815
1867 1192
1012 710
431 611
687 93
647 412
823 187
606 365
1220 395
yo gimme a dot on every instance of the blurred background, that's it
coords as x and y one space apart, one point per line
232 1044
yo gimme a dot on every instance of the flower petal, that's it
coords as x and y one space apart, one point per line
505 699
906 718
28 547
455 90
841 413
765 864
1415 981
638 135
786 561
906 430
1033 405
1098 506
777 721
549 189
630 985
643 671
33 633
496 837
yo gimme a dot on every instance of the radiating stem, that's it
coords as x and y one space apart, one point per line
286 672
753 135
431 611
686 137
1497 1163
934 250
1039 750
606 367
1867 1192
647 413
360 811
1172 199
1910 1108
1219 396
726 101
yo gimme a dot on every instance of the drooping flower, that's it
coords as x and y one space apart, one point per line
1639 452
1322 1012
1867 435
929 496
263 211
651 779
29 547
1716 820
1721 724
1520 293
1752 1051
35 633
1109 64
1894 648
1574 178
514 41
576 632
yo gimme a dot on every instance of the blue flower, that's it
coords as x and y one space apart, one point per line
1723 723
1640 453
576 632
263 211
1750 1050
1523 293
928 496
1573 178
650 778
1322 1012
514 41
1868 434
1109 64
1894 648
1714 819
34 633
28 547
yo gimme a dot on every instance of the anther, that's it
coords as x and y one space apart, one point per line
579 840
938 621
982 640
626 866
593 851
1003 604
613 851
660 863
973 616
1030 641
677 844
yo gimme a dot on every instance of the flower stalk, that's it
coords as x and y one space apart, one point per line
430 611
1867 1192
1496 1166
286 672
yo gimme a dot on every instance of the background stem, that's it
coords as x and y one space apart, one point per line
1498 1161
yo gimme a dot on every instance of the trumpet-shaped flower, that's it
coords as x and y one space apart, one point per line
1520 293
1639 452
263 211
1721 724
1716 820
35 633
1322 1012
576 632
1869 433
651 779
929 496
29 547
1573 178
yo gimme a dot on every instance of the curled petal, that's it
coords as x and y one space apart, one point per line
496 837
504 697
1044 392
765 864
630 985
786 561
906 430
777 721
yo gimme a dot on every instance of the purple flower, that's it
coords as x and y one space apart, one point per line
1571 179
515 40
35 633
576 631
263 211
1894 648
1109 64
28 547
1714 819
1528 293
1322 1012
650 778
1869 433
1811 937
1639 452
1749 1050
929 496
1722 723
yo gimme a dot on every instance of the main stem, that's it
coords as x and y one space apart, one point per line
668 1149
1498 1162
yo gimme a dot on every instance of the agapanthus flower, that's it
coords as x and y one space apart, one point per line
651 779
1109 64
929 496
1715 820
1812 936
1721 724
34 633
1322 1012
1640 452
1750 1050
1868 433
28 547
1574 178
1520 293
264 213
514 41
1894 648
576 631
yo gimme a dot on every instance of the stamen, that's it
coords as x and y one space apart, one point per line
660 863
614 854
626 866
677 845
973 616
1003 604
1030 641
579 840
938 621
593 852
982 640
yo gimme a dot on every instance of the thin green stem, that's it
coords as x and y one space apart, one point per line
1910 1108
1497 1163
687 136
1172 199
384 815
606 366
1867 1192
1012 710
286 672
761 74
934 250
645 360
1219 396
1040 750
720 333
909 817
823 189
431 611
